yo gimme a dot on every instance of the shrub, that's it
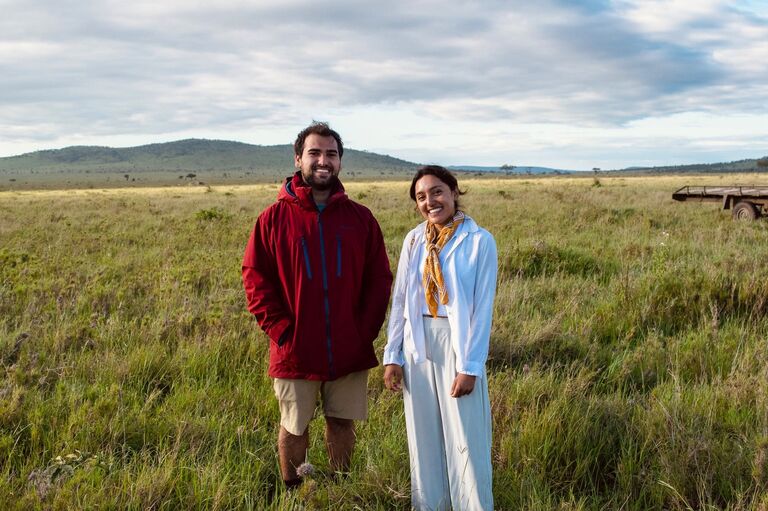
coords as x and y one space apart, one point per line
214 213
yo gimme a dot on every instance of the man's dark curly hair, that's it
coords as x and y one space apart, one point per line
316 128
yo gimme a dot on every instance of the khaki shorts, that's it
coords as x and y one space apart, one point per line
343 398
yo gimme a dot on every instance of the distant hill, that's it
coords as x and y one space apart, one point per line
704 168
209 162
509 170
192 155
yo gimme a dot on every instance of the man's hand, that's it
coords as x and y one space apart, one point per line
393 377
463 384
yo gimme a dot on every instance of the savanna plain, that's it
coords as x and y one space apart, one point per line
628 366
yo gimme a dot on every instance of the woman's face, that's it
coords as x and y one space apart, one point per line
435 200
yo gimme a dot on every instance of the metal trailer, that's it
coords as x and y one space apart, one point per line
746 202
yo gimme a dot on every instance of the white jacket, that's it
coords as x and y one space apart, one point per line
469 267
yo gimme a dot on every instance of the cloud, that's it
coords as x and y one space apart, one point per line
110 69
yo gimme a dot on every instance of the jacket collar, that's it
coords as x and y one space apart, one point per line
295 190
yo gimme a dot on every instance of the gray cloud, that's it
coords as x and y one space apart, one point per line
111 68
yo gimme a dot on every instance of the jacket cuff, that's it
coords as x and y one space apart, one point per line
394 357
472 368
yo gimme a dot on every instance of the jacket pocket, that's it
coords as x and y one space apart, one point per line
287 336
305 251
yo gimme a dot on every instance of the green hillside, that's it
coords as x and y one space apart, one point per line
706 168
209 160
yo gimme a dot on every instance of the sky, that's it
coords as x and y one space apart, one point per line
554 83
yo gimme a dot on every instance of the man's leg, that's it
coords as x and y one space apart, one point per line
292 451
340 442
297 404
345 400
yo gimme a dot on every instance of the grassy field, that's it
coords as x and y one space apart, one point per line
628 365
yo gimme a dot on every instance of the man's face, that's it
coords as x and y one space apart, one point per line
320 162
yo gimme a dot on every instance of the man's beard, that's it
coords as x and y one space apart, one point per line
321 186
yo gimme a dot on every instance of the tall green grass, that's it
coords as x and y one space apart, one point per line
628 366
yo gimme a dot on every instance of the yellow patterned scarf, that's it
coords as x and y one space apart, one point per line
433 282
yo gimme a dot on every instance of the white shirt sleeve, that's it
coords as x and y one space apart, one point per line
393 351
476 348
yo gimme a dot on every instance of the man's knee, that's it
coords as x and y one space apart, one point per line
285 437
338 424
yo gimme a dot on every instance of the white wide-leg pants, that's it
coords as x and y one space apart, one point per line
449 439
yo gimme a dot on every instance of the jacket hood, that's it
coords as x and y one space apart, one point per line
294 189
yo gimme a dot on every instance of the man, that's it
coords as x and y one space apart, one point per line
317 278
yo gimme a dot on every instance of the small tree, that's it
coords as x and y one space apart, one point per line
762 163
507 168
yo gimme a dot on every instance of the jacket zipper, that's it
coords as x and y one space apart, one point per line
338 255
306 257
326 300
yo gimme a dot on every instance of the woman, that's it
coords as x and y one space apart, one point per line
438 334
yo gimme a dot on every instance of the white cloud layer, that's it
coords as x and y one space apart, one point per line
559 83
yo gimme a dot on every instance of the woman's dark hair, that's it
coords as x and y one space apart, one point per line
440 173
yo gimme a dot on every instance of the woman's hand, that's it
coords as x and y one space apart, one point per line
463 384
393 377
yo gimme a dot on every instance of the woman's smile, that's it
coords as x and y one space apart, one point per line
435 200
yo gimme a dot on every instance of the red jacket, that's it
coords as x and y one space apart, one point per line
318 283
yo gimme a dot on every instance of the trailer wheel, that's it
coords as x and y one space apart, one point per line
745 210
